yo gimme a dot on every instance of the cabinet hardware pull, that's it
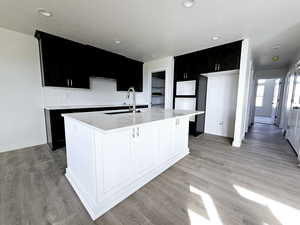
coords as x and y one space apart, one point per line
133 132
216 66
71 83
138 132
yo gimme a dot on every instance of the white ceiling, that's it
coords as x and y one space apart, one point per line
151 29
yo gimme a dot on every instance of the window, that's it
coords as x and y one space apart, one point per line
296 99
260 93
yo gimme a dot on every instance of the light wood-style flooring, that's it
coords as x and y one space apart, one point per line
258 184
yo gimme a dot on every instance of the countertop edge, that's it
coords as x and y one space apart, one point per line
68 115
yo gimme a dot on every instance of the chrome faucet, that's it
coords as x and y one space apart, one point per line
131 89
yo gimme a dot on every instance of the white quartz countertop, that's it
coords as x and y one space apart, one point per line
107 123
86 106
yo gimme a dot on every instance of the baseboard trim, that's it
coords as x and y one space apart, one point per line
21 148
292 147
237 144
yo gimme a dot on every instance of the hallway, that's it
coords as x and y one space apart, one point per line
267 133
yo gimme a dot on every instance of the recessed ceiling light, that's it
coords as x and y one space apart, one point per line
275 47
44 12
117 42
188 3
275 58
215 38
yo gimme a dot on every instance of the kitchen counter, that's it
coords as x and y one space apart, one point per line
109 157
107 123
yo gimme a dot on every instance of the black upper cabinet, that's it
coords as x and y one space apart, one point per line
179 68
224 57
75 65
221 58
62 62
184 68
131 75
52 60
231 56
102 63
66 63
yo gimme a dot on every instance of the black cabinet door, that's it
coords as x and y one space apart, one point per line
179 69
131 75
184 68
225 57
62 62
230 56
52 59
213 58
199 64
75 65
101 63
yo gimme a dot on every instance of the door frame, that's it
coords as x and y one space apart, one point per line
159 69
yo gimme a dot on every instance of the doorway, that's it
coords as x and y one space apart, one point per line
268 101
158 85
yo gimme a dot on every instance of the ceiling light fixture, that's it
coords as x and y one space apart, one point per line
188 3
117 42
275 47
44 12
215 38
275 58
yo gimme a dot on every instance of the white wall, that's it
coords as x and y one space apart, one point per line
221 103
266 109
21 114
286 106
164 64
251 100
102 92
243 93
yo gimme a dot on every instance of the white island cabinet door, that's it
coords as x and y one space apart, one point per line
166 141
116 160
144 146
181 135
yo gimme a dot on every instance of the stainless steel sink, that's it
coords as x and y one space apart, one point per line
123 112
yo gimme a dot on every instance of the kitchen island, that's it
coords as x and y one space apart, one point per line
110 156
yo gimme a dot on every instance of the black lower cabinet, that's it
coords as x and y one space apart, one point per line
55 127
